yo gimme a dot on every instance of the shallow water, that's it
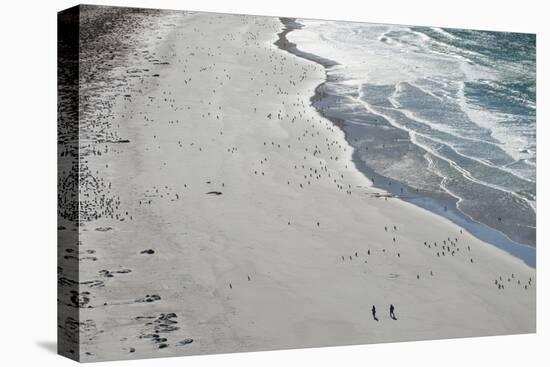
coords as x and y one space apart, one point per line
448 113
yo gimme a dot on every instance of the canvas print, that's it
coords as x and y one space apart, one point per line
233 183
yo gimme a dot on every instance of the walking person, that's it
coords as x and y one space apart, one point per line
392 314
373 310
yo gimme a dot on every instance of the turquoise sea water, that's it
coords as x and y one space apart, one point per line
449 113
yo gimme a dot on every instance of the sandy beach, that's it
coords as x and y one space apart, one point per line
219 212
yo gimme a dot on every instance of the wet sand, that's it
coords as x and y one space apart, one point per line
221 213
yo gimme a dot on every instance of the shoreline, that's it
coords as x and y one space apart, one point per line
443 206
296 247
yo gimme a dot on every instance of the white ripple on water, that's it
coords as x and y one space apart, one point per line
448 130
408 55
414 139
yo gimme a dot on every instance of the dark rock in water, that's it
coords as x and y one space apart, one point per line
213 193
163 345
156 75
148 252
60 228
185 341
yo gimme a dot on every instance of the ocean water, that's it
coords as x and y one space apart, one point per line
444 113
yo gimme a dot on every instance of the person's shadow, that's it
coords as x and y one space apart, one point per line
50 346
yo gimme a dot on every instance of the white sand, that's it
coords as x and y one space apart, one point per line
301 292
